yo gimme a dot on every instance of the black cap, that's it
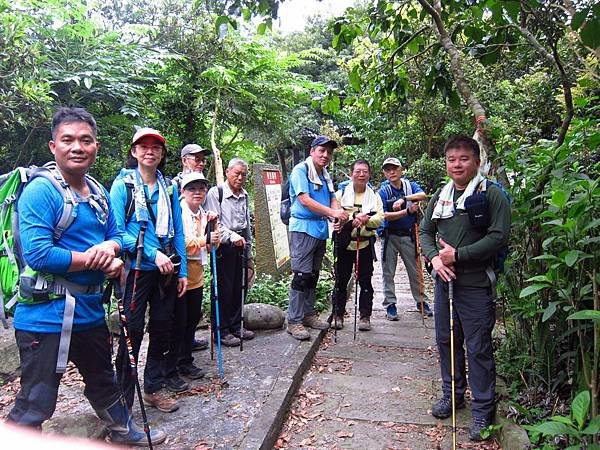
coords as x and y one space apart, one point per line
323 141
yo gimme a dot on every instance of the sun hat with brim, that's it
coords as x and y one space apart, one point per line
193 177
143 132
192 149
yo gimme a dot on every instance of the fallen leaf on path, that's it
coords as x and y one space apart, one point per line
344 434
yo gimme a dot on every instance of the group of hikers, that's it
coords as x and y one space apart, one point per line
151 236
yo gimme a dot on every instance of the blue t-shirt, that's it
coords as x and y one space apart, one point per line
118 195
303 220
40 207
404 223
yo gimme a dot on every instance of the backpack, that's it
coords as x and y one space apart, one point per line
477 207
20 283
386 186
285 207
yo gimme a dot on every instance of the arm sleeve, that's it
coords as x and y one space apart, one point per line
415 187
428 230
497 232
179 238
40 207
299 181
113 231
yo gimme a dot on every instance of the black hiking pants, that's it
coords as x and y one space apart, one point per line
229 284
89 350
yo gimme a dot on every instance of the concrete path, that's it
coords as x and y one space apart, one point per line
376 392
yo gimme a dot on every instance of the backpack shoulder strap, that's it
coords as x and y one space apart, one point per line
406 187
220 189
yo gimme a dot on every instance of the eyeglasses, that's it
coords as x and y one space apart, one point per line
361 172
198 159
153 148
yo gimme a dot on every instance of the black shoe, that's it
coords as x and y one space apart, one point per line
176 384
246 334
442 409
191 371
478 424
426 309
199 344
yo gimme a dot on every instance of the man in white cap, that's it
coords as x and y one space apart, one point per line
193 159
400 199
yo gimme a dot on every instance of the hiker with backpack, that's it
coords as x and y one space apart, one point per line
365 208
147 208
312 200
193 159
63 316
230 201
465 225
188 312
400 198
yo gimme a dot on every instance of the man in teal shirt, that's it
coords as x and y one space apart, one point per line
313 200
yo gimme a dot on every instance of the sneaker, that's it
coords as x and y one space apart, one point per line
314 322
392 313
229 340
478 424
191 371
337 324
136 436
442 409
161 401
426 309
246 334
199 344
298 331
176 384
364 324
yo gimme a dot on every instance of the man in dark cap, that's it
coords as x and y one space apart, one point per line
313 200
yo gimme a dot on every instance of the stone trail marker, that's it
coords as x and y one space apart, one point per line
272 248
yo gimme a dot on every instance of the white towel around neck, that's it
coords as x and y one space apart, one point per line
444 208
313 175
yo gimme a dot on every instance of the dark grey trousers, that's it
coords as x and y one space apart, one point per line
474 316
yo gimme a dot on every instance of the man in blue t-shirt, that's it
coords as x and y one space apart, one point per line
313 200
400 199
74 265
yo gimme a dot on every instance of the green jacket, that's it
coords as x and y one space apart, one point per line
477 248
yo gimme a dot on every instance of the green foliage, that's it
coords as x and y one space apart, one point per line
428 173
576 430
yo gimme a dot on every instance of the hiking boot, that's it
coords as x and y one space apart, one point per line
298 331
161 401
426 309
199 344
191 371
339 321
314 322
392 313
478 424
364 324
135 436
176 384
442 409
247 334
229 340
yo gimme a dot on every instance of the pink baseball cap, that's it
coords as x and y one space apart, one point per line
143 132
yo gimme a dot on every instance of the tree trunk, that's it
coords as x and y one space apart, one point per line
282 163
218 165
488 152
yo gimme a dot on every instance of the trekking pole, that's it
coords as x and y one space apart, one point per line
138 262
451 306
130 355
356 278
420 270
213 261
244 293
335 293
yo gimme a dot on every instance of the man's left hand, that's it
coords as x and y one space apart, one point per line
100 256
360 220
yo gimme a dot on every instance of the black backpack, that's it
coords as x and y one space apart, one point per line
285 207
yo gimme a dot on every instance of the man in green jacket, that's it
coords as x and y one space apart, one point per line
465 225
